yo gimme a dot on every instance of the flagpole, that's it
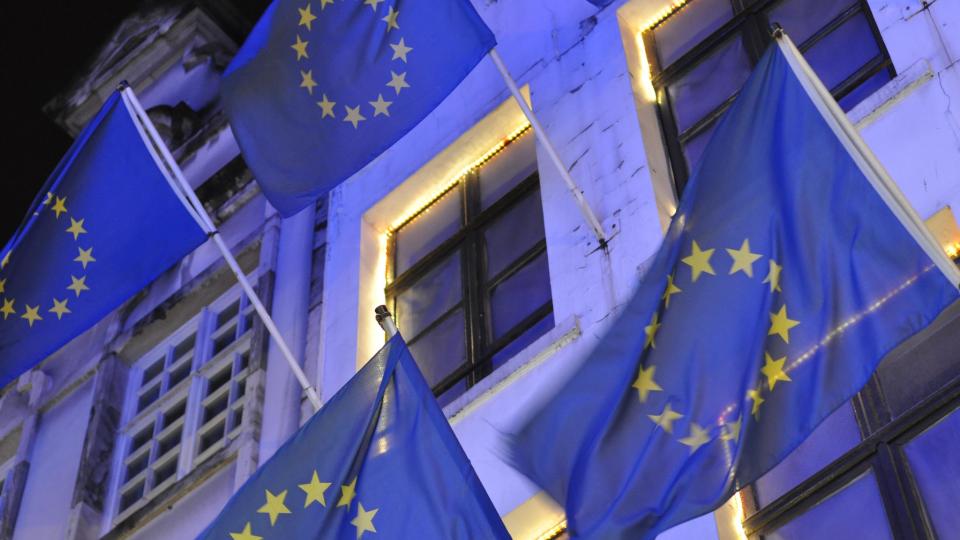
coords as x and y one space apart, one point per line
868 163
588 214
196 209
385 320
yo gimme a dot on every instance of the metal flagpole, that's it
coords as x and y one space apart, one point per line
588 214
196 209
868 163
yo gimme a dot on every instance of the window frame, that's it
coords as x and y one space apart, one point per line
750 22
480 347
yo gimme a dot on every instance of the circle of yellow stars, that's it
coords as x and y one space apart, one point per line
698 261
314 492
59 306
398 78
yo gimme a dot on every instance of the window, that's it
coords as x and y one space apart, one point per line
185 401
882 466
469 281
702 54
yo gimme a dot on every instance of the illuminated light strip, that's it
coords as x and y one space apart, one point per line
953 250
664 14
423 204
739 516
554 532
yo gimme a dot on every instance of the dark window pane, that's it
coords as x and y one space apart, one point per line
179 373
837 434
131 496
148 397
803 18
520 295
151 372
513 233
512 165
693 149
529 336
710 83
142 437
689 26
184 347
137 466
173 414
227 337
169 442
219 379
428 230
228 313
165 471
842 52
856 511
212 436
935 459
865 89
442 349
431 296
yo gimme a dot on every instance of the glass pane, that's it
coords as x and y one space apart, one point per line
865 89
428 230
512 165
709 84
935 460
225 338
803 18
442 349
923 364
137 466
526 338
856 511
184 347
230 312
693 149
431 296
520 295
173 414
834 436
689 26
151 372
842 52
513 233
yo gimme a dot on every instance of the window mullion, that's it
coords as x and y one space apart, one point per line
188 444
472 272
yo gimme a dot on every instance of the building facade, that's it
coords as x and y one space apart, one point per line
145 425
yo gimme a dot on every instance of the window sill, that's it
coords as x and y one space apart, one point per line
895 91
545 347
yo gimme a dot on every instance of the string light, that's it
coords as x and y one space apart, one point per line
664 14
953 250
422 205
554 532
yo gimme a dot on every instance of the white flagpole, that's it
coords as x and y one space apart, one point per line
588 214
868 163
193 205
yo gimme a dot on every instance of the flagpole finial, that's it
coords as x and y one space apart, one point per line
776 30
122 85
385 320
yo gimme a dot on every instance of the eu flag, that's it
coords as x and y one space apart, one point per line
379 460
782 281
321 88
105 224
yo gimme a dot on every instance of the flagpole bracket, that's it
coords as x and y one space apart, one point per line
385 320
776 31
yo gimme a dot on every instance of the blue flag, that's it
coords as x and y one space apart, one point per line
781 283
105 224
321 88
379 460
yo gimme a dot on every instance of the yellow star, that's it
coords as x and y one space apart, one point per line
380 106
742 259
347 493
315 490
773 370
59 206
697 437
391 18
757 400
373 4
773 276
665 419
3 285
400 50
645 383
60 308
699 261
306 18
76 228
307 81
353 116
323 3
32 314
7 308
780 324
364 520
731 430
301 47
85 256
398 82
671 290
274 506
245 534
327 107
78 285
651 331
